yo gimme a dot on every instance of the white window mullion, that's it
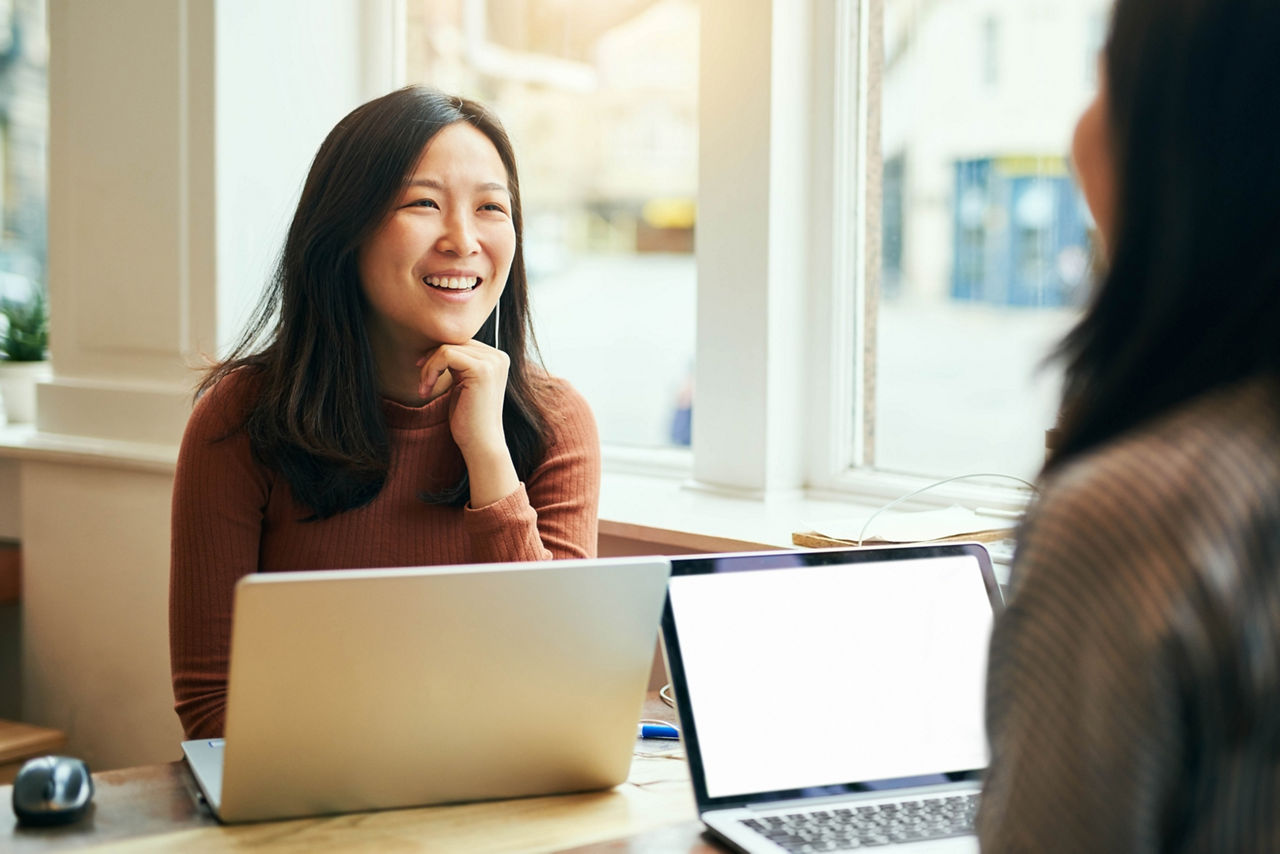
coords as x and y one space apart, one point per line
863 74
754 263
383 40
836 390
731 373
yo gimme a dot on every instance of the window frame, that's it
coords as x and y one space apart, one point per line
828 452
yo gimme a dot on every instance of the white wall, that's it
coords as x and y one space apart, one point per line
276 58
95 611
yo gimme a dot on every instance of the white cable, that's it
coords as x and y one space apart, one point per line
659 723
867 524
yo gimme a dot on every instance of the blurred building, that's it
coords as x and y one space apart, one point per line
980 97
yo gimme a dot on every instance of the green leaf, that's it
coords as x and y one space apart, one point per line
26 334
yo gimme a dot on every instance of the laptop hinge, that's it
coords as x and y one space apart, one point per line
811 802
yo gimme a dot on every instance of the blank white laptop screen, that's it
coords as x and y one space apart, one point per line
866 672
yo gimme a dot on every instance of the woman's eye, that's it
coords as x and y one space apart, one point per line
423 203
493 207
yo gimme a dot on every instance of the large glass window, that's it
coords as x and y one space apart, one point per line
986 241
601 102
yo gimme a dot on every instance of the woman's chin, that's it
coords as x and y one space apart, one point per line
456 337
459 340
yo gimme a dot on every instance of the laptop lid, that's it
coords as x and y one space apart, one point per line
830 672
370 689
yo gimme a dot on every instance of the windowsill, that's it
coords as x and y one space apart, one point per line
671 512
674 511
662 510
24 442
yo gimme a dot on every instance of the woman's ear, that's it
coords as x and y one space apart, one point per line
1093 160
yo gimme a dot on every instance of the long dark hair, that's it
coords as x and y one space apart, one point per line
1190 300
317 418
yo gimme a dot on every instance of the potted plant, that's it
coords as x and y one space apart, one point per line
24 350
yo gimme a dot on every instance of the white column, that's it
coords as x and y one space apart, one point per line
752 244
180 133
132 269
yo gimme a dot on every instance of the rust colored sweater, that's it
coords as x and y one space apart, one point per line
233 516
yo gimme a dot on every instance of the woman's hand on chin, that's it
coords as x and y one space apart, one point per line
477 392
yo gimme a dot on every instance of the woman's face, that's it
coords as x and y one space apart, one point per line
1094 164
434 270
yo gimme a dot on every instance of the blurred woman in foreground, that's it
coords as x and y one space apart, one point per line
1134 684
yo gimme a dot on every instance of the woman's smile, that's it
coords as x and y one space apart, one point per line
453 283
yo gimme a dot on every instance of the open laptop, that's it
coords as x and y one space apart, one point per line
370 689
834 695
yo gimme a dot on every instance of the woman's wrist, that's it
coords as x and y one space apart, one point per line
492 476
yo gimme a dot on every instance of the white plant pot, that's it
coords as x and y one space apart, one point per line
18 389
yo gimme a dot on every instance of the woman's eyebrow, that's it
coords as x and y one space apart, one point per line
433 184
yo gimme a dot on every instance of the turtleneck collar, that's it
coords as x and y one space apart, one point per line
401 417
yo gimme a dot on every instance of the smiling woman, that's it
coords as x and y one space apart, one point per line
381 424
425 306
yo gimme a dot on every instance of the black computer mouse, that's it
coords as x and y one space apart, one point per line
52 790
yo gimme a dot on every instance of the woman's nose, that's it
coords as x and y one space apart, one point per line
459 237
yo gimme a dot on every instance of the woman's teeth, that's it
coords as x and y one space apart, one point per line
452 283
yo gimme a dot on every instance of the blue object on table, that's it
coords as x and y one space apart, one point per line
658 731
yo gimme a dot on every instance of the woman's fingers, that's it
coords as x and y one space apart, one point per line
478 386
471 363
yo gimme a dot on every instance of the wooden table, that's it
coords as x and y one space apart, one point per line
20 742
154 808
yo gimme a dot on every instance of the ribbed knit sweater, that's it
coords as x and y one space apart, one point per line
1133 699
233 516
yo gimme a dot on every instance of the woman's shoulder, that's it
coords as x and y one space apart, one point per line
224 404
564 409
1227 439
560 393
1164 498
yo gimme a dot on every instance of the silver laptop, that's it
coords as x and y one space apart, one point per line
834 698
370 689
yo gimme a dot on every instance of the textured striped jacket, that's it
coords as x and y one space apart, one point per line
1133 693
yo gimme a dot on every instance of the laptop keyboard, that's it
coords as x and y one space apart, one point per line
862 827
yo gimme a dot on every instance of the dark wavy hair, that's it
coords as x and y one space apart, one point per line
1190 299
318 418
